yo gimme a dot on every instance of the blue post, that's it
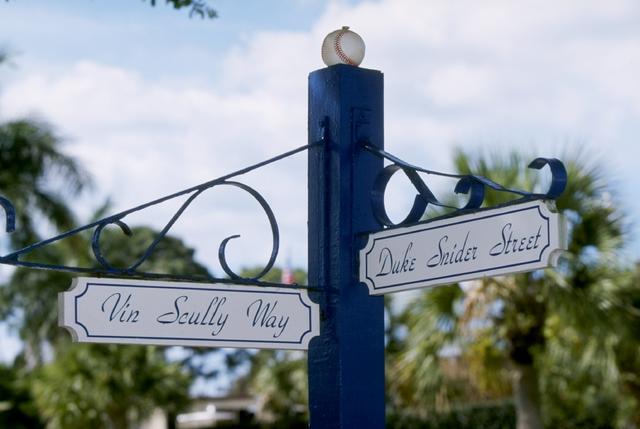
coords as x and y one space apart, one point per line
346 362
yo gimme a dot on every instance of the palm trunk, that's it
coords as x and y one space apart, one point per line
32 354
118 419
526 392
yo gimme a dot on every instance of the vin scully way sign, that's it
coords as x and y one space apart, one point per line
188 314
506 240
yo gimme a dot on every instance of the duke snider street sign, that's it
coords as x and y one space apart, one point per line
188 314
506 240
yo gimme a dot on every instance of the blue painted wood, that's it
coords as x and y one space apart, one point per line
346 362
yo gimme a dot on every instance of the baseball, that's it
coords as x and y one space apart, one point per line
343 47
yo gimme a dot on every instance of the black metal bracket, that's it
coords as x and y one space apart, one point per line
472 185
106 269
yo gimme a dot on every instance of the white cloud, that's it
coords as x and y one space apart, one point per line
142 140
520 74
460 85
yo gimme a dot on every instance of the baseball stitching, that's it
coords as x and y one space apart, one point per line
338 47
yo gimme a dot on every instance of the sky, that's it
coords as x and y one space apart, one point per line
152 102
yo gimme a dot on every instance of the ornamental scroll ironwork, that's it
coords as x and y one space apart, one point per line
472 185
107 269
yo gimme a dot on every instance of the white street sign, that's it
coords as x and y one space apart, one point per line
506 240
126 311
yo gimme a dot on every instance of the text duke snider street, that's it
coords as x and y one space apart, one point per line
492 242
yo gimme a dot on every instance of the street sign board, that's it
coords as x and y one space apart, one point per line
516 238
127 311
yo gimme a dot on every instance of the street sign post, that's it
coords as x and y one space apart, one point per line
188 314
346 361
343 327
512 239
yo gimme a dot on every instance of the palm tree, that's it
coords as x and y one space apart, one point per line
625 341
35 179
502 325
36 176
107 385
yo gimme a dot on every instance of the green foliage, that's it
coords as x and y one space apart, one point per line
85 385
280 378
569 327
170 256
198 7
17 409
482 417
105 386
626 342
37 177
415 378
29 303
